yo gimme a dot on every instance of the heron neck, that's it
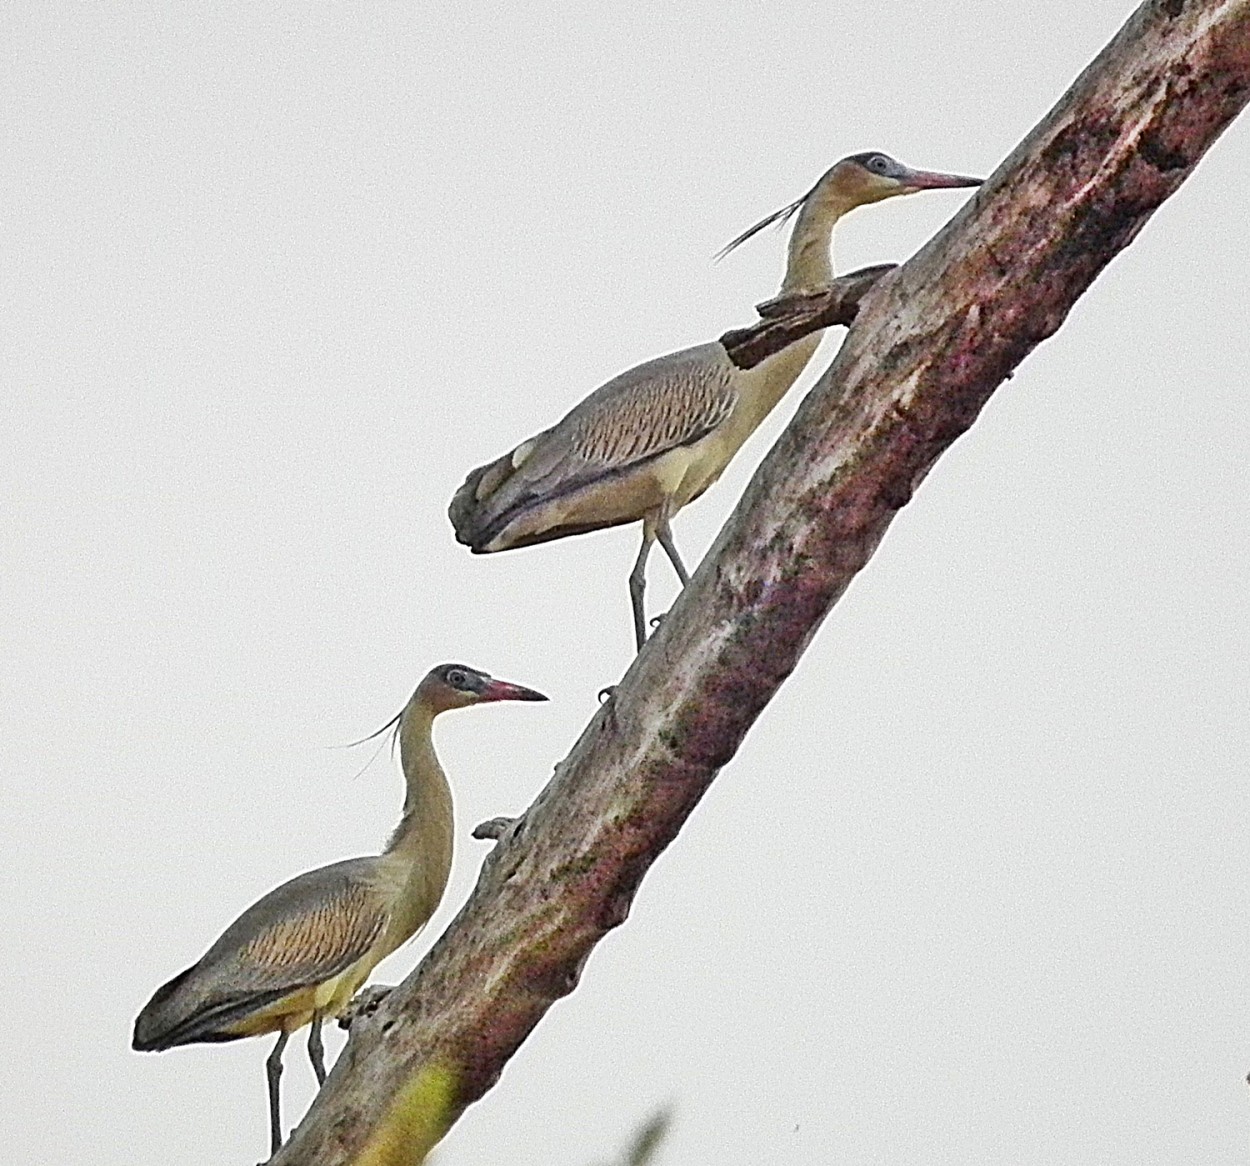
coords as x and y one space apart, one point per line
417 859
809 264
426 824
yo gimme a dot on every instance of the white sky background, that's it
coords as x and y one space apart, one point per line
274 277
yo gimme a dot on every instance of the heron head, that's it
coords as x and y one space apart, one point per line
873 176
453 686
855 181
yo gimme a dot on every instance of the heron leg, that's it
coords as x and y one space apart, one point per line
273 1071
665 536
317 1050
638 582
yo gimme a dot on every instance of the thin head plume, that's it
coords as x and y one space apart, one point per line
778 217
392 724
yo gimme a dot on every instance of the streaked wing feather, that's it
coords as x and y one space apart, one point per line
651 416
317 944
305 931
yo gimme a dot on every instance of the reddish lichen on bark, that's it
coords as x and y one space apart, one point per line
931 343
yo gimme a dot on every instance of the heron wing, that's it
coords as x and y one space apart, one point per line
649 410
306 931
300 934
659 406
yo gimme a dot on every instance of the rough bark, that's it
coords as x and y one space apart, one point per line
932 342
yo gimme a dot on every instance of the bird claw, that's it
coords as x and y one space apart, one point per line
364 1004
656 620
607 693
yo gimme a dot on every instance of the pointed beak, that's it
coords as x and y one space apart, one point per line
502 690
934 180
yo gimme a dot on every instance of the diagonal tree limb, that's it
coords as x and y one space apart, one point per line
933 341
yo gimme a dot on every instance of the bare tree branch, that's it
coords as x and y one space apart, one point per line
933 341
493 829
791 317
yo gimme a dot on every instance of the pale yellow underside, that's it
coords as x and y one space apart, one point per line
328 998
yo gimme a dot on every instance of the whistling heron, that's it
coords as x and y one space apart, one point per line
654 438
297 956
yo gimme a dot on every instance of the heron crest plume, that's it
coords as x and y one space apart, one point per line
780 218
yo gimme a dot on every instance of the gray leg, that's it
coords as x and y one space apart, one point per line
273 1070
665 535
638 583
316 1050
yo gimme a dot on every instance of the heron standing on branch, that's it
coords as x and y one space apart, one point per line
298 955
654 438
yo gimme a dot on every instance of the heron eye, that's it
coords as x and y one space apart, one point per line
879 165
457 679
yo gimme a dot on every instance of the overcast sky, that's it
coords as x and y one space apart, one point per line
273 277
